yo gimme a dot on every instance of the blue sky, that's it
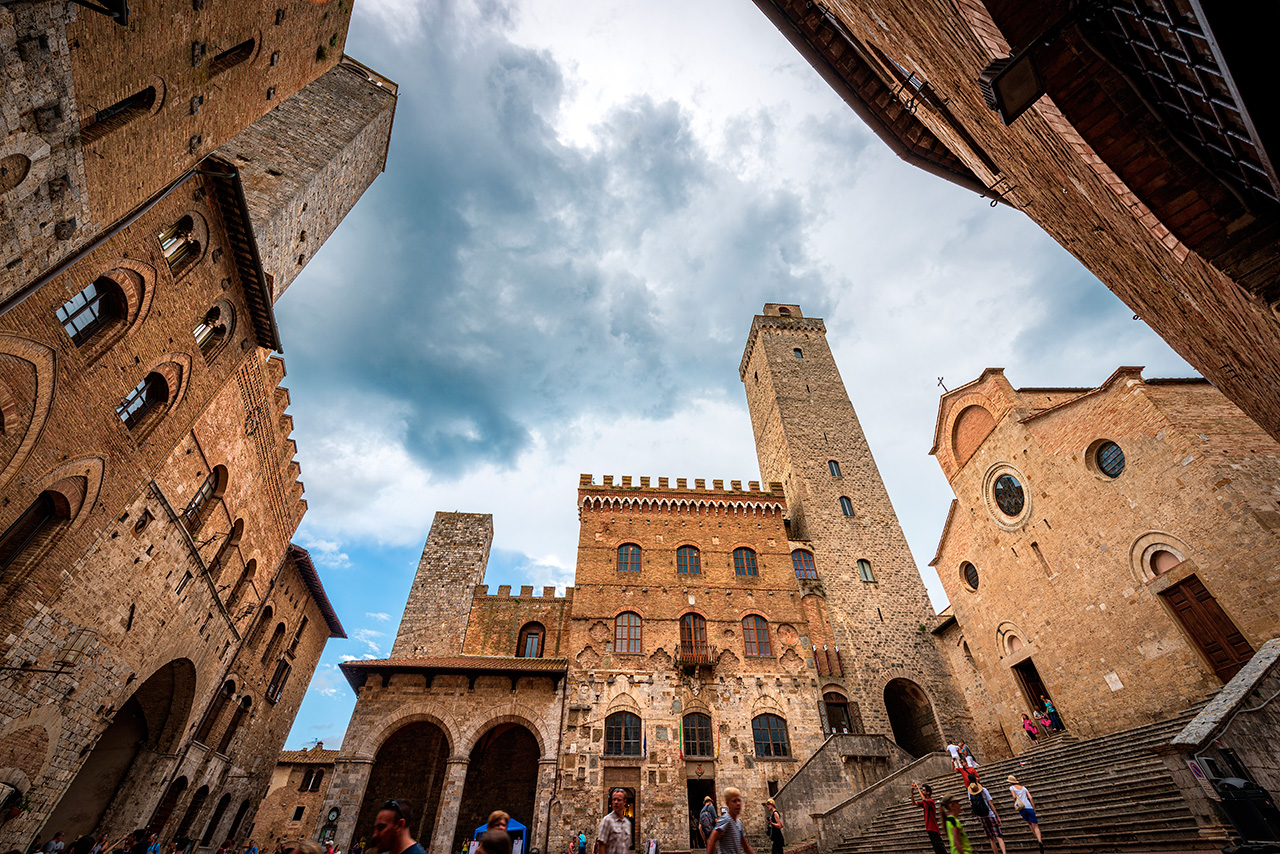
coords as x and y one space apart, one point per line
584 206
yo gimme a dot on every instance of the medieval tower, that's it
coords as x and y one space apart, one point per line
841 519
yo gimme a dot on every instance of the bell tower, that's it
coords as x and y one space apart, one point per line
808 437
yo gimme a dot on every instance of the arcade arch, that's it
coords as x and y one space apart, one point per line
911 717
410 764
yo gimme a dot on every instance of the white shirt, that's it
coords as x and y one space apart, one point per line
954 750
1022 796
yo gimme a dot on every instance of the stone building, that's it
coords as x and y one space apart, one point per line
1112 548
714 636
1135 133
292 803
157 628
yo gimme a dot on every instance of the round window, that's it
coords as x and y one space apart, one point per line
1110 459
970 574
1009 496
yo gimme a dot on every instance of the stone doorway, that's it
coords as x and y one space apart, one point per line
1211 630
911 717
698 790
502 775
1032 686
122 762
409 766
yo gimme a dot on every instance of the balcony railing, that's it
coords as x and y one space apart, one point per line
690 654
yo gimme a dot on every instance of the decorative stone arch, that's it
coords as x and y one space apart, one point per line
900 675
26 161
1010 639
622 702
1144 562
765 704
48 721
955 436
514 713
406 715
41 359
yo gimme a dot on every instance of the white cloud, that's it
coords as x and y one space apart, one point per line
326 553
379 616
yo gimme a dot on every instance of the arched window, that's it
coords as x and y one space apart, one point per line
278 679
230 58
744 561
179 244
211 714
273 648
697 735
261 628
149 395
91 311
864 570
784 311
218 812
688 560
770 734
302 627
210 490
35 530
836 706
213 329
626 633
755 635
846 506
834 467
243 585
622 734
802 561
118 115
693 634
530 643
316 780
306 780
628 557
234 727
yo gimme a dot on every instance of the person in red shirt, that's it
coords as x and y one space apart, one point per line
922 796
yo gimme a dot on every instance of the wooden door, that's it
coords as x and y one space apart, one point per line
1209 626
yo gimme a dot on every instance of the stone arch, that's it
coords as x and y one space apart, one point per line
412 713
23 182
513 713
80 480
41 359
912 716
970 428
503 769
1009 639
1144 549
417 749
48 719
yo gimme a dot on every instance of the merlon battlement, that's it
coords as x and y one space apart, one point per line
526 592
777 317
586 482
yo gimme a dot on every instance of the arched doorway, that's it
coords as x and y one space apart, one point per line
502 775
410 766
123 762
911 717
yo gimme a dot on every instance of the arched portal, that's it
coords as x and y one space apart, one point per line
122 764
911 716
409 766
502 775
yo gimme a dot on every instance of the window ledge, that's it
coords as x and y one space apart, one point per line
775 759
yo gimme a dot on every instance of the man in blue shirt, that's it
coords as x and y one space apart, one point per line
391 830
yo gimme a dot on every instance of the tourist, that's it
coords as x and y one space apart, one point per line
922 796
773 819
494 841
54 845
1026 808
707 819
1052 711
1046 723
967 753
985 810
497 821
391 830
252 848
728 837
1029 727
36 845
613 836
582 843
957 839
954 750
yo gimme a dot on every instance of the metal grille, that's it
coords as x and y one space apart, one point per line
1110 459
1163 49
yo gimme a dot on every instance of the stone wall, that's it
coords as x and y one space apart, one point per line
286 794
451 567
496 621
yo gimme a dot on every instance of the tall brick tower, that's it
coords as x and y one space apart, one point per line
453 563
808 437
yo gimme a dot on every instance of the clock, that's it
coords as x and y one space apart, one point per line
333 814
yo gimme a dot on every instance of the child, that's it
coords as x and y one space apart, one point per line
957 839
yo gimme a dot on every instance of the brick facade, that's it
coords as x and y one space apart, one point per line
1083 576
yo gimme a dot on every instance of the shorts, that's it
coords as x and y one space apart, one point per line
1029 815
991 826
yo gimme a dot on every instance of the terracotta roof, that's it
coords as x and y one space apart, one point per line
302 560
314 756
467 665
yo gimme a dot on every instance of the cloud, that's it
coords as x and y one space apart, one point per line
327 553
369 638
379 616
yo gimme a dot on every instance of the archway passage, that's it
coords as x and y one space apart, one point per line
502 775
122 765
911 717
409 766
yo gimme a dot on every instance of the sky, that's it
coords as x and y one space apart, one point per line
583 208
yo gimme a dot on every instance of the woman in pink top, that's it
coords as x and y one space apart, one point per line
1029 726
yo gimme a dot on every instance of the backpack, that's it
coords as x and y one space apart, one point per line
979 804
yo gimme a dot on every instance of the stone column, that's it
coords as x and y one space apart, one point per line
346 792
538 834
455 778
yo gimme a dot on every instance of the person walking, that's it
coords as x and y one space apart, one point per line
956 762
922 796
1052 711
1026 807
707 819
582 843
391 829
983 807
614 834
957 839
728 837
774 820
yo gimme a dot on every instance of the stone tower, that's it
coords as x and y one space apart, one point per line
808 437
453 563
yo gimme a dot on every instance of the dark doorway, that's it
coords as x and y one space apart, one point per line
165 808
698 790
841 718
911 717
502 775
410 765
1032 685
124 759
1212 631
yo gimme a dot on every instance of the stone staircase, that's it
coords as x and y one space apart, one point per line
1101 795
